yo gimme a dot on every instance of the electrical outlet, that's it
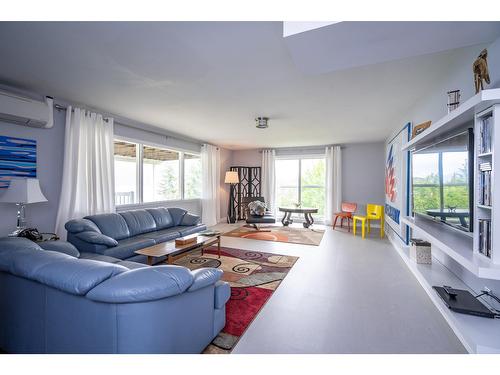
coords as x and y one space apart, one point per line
486 290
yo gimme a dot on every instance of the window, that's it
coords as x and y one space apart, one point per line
125 173
192 176
160 174
145 173
301 181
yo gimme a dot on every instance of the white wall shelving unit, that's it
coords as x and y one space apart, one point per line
459 246
482 211
478 335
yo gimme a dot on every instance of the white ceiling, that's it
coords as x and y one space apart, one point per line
209 80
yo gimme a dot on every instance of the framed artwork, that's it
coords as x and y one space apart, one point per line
417 129
397 186
17 159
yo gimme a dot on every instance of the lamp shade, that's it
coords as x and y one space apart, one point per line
23 190
231 177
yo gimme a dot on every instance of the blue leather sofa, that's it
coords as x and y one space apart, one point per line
119 235
54 302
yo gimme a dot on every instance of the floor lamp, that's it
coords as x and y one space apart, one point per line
231 179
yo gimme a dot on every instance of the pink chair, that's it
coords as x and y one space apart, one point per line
347 210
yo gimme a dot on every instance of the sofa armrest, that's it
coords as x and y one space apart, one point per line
190 219
81 225
222 294
96 238
204 277
143 284
60 247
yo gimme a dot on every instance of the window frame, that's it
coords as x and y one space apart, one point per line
140 171
299 158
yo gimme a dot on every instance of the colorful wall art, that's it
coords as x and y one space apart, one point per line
397 182
17 159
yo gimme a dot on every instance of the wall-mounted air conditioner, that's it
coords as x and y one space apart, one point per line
25 111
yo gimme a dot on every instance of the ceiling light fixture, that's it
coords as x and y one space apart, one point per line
262 122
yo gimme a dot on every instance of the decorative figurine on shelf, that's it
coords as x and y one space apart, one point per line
452 208
480 69
297 205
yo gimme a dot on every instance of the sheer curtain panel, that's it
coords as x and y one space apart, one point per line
333 182
88 169
210 201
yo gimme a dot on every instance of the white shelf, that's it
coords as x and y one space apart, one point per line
486 154
483 206
478 335
463 114
458 246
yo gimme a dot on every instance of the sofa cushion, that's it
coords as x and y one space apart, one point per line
81 225
139 221
17 243
163 235
189 219
144 284
177 215
131 265
99 257
125 248
162 217
60 247
76 276
25 263
185 231
96 238
112 225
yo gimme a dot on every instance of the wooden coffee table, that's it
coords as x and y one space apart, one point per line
173 252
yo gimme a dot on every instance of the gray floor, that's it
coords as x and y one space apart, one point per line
347 295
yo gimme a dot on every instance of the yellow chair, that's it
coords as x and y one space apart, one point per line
363 219
375 212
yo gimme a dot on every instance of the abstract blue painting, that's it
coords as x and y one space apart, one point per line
17 159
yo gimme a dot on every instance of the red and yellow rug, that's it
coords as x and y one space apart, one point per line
253 277
305 236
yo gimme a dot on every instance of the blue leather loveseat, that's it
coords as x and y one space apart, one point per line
119 235
52 302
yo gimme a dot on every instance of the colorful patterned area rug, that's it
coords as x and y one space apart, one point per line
253 277
304 236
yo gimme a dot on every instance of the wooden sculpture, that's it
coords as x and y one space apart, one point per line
480 69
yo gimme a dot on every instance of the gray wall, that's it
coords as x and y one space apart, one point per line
50 148
246 158
363 173
362 170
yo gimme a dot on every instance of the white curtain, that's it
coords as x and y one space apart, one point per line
210 198
269 178
333 174
88 169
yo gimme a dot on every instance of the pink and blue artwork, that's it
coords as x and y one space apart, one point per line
17 159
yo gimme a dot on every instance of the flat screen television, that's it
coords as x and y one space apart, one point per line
443 180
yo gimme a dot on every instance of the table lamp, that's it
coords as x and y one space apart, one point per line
231 178
22 191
